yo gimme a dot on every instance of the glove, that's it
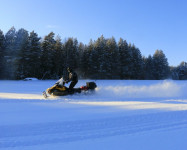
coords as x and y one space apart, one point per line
66 80
57 83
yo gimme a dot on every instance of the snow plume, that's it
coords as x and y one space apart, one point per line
158 90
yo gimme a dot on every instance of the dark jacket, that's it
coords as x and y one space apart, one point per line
73 76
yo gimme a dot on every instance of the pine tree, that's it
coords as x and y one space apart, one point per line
71 53
34 55
137 63
10 53
92 61
112 59
174 72
58 58
161 67
99 56
21 34
182 71
22 61
148 68
2 48
10 39
47 47
125 57
83 60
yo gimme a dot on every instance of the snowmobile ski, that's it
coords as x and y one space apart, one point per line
45 94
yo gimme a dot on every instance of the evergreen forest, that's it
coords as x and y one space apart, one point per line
24 54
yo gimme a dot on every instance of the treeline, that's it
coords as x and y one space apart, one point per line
24 54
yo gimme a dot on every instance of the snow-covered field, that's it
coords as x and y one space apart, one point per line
120 115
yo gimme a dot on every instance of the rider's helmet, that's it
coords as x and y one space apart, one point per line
69 69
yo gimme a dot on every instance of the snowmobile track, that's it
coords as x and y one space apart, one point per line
70 131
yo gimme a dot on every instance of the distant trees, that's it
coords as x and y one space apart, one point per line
179 72
2 53
182 69
28 61
156 67
24 54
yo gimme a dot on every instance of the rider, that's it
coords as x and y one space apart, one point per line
72 77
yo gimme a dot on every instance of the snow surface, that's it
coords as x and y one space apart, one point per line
120 115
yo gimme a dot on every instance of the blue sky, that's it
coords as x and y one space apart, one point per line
149 24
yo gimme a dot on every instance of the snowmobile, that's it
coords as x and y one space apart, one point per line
59 89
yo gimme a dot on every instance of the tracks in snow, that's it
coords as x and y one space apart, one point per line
70 131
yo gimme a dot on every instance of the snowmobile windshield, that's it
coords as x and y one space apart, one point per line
60 81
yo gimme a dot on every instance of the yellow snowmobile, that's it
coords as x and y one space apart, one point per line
59 89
